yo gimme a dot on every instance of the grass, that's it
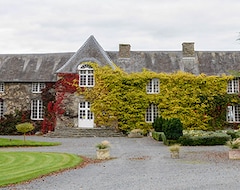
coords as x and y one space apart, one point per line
18 143
16 167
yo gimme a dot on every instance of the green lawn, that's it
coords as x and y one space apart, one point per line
4 142
17 167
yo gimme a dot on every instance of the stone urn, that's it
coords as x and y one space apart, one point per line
174 150
234 154
103 153
175 154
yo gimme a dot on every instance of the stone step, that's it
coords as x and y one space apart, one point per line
80 132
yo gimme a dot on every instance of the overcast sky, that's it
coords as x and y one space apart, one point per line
41 26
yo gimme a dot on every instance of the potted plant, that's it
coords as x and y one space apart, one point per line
234 145
103 151
174 149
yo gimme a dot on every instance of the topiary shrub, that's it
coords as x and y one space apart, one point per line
24 128
157 135
207 140
158 124
173 129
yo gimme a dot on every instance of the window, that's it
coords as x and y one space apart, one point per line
152 113
153 86
37 87
86 76
36 110
233 86
233 113
1 108
1 87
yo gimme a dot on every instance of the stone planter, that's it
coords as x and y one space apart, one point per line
103 154
135 135
174 154
234 154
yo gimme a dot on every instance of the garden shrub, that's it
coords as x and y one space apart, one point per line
158 124
214 138
173 129
157 135
234 134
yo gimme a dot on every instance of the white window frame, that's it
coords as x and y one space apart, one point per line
233 86
2 86
233 114
153 86
37 110
37 87
1 108
86 75
151 113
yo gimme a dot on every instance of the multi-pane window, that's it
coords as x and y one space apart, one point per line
37 87
1 87
233 113
233 86
153 86
86 76
84 112
36 110
152 113
1 108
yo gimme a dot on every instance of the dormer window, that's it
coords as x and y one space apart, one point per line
37 87
233 86
153 86
86 76
1 87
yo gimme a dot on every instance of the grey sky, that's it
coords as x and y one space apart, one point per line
36 26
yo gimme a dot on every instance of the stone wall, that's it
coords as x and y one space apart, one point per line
18 96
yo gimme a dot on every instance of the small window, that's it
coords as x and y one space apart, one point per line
36 110
233 86
151 113
37 87
153 86
86 76
1 87
1 108
233 113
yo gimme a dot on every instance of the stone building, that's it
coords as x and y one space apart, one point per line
23 76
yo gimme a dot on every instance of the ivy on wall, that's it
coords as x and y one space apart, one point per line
120 99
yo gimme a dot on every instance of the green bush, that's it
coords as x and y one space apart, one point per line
173 129
234 134
207 140
158 124
24 128
157 135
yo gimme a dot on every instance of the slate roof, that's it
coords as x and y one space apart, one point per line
44 67
91 51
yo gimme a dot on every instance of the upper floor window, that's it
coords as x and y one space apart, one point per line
1 87
151 113
233 113
233 86
86 76
37 110
37 87
1 108
153 86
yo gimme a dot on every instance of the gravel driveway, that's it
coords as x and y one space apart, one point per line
138 164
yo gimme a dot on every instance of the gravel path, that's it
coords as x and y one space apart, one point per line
138 164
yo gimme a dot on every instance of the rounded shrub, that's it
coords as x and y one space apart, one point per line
173 128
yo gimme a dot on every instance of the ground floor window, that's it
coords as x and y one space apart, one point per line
1 108
151 113
233 113
36 110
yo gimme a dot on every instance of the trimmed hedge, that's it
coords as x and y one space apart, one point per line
213 139
234 134
157 135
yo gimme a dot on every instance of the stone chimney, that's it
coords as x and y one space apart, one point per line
124 50
188 49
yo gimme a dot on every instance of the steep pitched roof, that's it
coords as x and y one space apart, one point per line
89 51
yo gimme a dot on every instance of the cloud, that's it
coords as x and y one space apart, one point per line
57 26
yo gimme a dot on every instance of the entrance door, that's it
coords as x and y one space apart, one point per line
85 116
